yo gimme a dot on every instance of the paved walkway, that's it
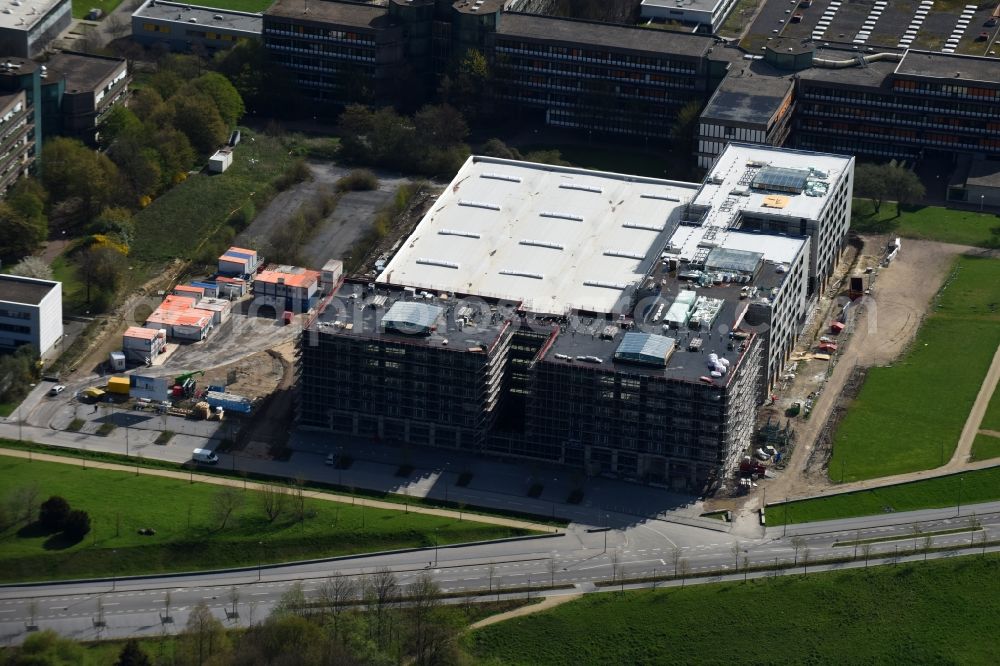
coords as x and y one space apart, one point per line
253 485
964 449
544 605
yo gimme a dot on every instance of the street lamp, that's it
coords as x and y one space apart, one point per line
435 546
114 568
260 558
982 200
961 481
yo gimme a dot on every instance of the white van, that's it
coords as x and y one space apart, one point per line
204 456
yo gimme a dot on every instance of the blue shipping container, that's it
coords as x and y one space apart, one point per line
229 402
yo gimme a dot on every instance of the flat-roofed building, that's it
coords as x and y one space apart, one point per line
239 261
605 322
79 90
286 288
142 345
30 314
182 319
27 26
782 191
182 26
706 15
600 77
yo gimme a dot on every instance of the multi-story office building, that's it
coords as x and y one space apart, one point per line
924 103
78 91
752 105
598 77
17 147
30 313
607 322
183 27
27 26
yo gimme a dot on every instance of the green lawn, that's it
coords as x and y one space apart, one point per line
81 7
175 224
938 612
976 486
7 408
991 419
73 290
909 416
120 503
928 222
986 447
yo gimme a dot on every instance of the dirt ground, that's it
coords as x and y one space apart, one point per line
880 329
253 377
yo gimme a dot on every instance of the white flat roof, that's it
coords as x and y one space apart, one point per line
687 5
736 167
555 238
25 13
778 249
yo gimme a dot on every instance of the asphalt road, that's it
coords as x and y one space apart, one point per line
579 558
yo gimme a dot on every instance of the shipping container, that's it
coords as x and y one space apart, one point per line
229 402
119 385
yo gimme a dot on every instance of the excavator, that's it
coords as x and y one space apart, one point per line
184 385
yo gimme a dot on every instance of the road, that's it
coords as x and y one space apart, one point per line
577 559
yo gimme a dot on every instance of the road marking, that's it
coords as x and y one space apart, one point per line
257 594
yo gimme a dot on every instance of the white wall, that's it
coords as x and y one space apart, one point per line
50 320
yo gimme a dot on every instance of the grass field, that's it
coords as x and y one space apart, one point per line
986 447
935 612
7 408
928 222
976 486
81 7
175 224
909 416
187 532
73 290
991 419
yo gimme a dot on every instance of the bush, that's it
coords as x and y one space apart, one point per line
53 512
297 172
358 180
77 524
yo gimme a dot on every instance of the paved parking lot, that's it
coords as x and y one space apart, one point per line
949 26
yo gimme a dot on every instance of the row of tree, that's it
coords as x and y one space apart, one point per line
370 620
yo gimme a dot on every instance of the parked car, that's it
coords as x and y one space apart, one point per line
330 459
796 17
204 456
983 36
57 389
991 21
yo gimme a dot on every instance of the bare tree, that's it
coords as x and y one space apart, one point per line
615 557
916 536
299 499
273 500
336 593
33 615
99 620
553 568
251 609
227 501
424 596
973 528
234 600
383 589
928 544
683 567
117 26
797 543
33 267
805 560
205 635
293 601
490 572
675 557
24 502
166 608
746 567
735 550
866 550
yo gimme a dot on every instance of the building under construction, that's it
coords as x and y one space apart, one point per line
601 321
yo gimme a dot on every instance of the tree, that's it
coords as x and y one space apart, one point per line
76 525
115 222
222 93
383 591
204 636
299 499
18 235
902 185
869 183
70 170
497 148
273 499
100 266
33 267
47 648
293 601
199 119
53 513
133 655
440 125
424 596
553 567
24 501
675 557
735 550
335 594
227 501
866 550
797 543
117 26
685 128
